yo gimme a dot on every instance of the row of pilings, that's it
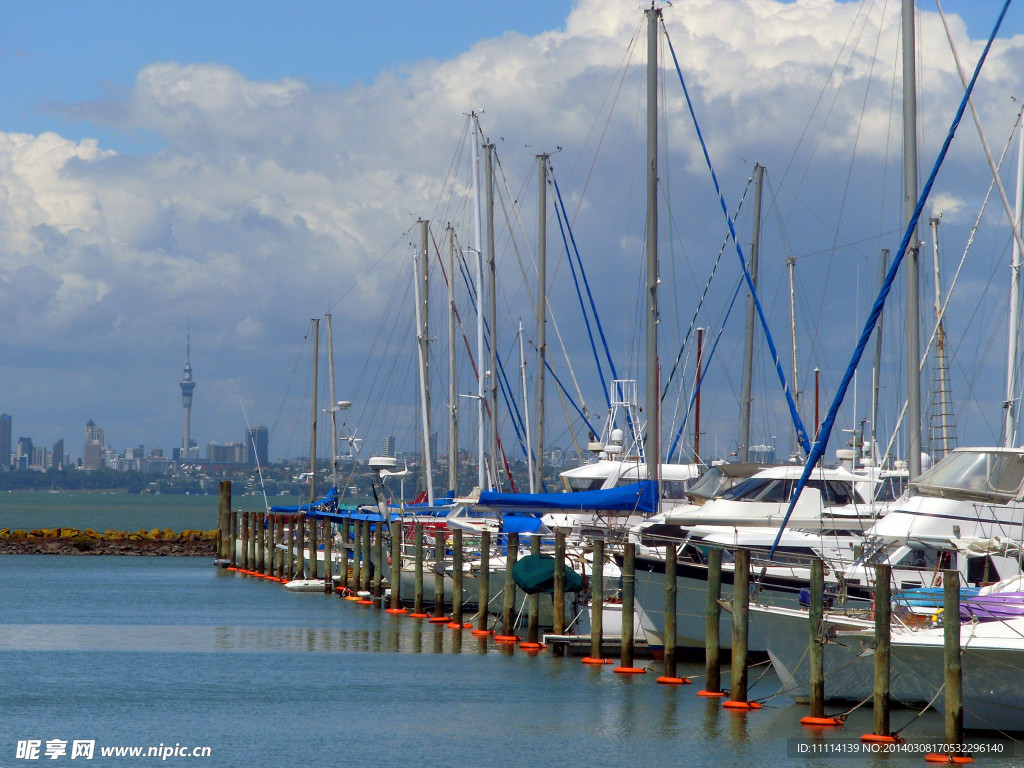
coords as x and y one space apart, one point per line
275 546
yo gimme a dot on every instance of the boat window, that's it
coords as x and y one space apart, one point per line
673 489
710 484
786 556
981 570
778 492
838 493
890 488
997 474
583 483
749 490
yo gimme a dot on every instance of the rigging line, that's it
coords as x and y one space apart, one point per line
818 449
797 423
624 69
704 372
704 294
371 268
450 176
949 294
560 214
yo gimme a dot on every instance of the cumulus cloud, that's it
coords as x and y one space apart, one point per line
265 201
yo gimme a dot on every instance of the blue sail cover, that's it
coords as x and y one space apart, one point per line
328 503
637 497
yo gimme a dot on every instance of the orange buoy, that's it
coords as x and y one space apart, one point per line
456 625
741 705
364 602
673 681
710 693
591 660
418 615
440 620
629 671
506 638
481 632
532 646
938 757
874 738
820 721
353 598
396 610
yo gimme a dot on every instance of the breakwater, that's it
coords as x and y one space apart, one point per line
73 541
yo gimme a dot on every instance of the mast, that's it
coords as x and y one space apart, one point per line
940 343
420 286
748 358
1010 403
877 367
526 411
696 406
453 414
790 269
312 444
913 251
334 402
542 303
492 312
652 448
479 289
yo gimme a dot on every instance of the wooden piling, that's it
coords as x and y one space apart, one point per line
457 576
671 595
396 563
712 619
378 554
357 555
328 556
815 616
558 597
597 601
628 581
953 671
740 612
485 581
883 616
300 547
343 554
438 573
313 532
417 584
245 541
223 521
364 584
261 542
533 601
233 536
508 605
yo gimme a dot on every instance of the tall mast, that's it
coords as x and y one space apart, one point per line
334 402
652 448
1010 426
420 285
492 312
526 410
790 269
748 358
542 304
312 444
453 413
877 367
479 288
940 343
913 252
696 406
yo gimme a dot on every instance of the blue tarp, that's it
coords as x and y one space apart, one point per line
637 497
326 504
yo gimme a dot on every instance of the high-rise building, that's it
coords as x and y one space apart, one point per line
58 460
23 455
388 446
5 441
92 454
187 385
257 445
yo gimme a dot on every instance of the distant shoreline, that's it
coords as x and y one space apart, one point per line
72 541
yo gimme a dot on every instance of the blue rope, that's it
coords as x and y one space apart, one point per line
586 318
797 422
821 443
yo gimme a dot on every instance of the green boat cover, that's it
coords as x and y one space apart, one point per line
536 573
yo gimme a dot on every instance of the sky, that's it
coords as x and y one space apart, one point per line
225 172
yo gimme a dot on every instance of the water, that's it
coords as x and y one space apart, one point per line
172 651
101 510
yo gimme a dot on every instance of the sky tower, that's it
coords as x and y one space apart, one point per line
187 385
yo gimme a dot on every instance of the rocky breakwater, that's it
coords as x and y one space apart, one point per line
71 541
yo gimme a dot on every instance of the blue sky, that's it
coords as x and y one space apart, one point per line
240 166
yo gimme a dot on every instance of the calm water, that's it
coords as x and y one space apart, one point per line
164 651
118 511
